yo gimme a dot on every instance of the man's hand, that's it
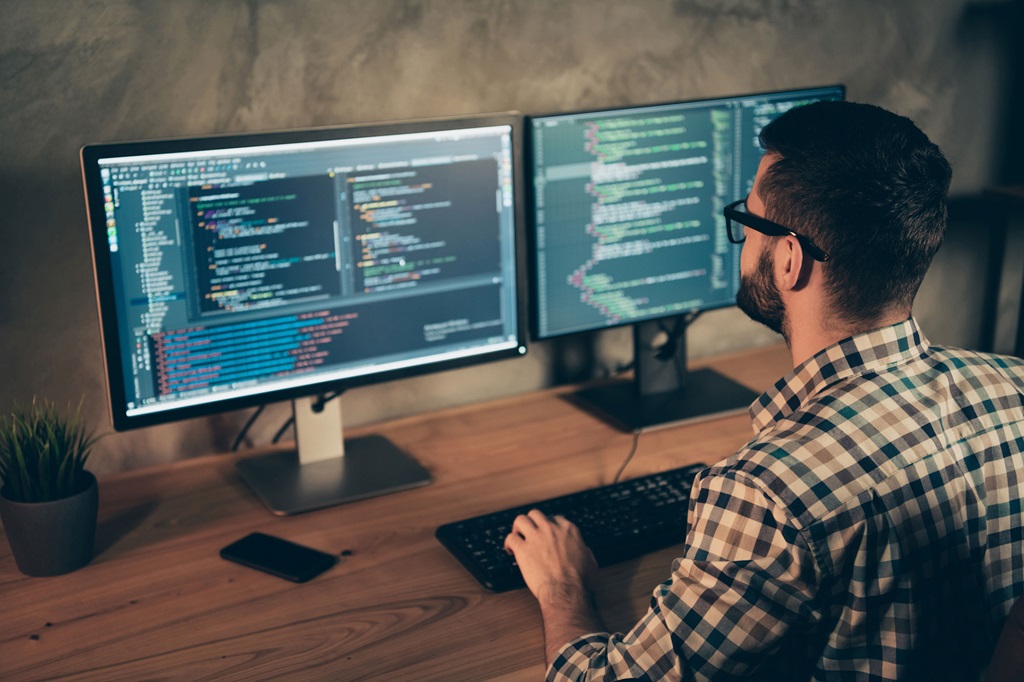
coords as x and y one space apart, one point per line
558 569
551 555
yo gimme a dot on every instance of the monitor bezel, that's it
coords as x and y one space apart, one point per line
531 198
103 274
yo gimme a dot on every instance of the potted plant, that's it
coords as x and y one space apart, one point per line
48 501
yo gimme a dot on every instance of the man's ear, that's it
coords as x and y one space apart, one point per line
791 267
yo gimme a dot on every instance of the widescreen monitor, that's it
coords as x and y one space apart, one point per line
238 270
628 229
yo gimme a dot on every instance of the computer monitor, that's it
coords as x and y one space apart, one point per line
238 270
629 230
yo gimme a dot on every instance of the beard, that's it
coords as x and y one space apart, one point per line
758 296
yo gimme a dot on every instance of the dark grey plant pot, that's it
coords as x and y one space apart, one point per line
52 538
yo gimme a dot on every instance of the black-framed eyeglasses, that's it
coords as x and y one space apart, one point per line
764 226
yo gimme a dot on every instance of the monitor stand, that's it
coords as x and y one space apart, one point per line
663 393
327 470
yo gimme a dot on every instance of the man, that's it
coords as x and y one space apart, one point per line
872 528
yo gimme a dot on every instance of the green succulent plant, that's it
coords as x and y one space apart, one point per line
43 451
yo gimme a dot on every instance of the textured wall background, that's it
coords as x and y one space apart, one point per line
72 73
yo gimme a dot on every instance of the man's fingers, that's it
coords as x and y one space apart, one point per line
521 526
538 517
513 541
524 523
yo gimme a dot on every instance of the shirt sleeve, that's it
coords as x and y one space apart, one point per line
745 580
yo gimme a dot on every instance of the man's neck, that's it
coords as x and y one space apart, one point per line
807 340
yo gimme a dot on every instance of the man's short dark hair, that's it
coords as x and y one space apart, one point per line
869 188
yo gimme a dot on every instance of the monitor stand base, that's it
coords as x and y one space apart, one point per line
371 466
706 395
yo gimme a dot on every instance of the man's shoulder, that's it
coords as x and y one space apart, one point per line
795 470
968 388
973 358
852 434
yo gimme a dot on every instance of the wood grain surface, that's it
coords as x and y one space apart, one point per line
157 602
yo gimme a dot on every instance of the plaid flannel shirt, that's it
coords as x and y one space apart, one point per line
872 529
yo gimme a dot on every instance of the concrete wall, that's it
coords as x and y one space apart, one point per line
72 73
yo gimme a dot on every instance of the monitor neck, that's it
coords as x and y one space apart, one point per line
318 429
659 354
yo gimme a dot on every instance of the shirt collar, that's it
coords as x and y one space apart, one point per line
871 351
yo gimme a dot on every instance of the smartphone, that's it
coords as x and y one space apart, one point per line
279 557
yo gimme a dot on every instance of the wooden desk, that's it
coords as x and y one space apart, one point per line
158 602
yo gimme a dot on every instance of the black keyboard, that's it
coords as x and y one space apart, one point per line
619 522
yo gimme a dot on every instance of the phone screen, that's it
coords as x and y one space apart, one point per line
279 557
